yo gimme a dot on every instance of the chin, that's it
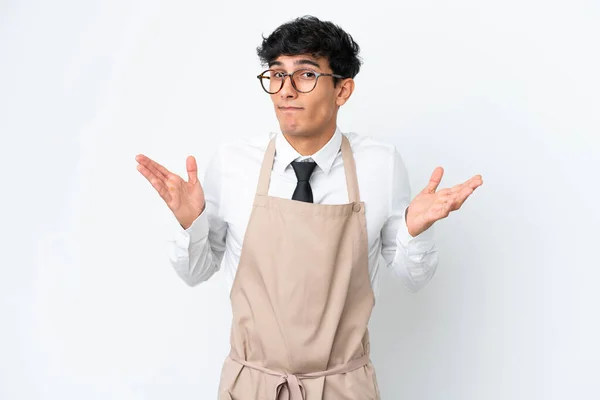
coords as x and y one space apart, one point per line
293 129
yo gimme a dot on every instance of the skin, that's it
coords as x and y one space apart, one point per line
311 122
308 121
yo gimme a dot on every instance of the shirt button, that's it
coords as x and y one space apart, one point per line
356 207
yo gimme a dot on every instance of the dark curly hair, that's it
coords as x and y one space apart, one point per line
309 35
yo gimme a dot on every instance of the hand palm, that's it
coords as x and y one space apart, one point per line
185 199
184 196
430 205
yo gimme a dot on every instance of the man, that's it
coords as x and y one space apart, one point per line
298 221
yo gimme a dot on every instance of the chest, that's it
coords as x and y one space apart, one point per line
239 188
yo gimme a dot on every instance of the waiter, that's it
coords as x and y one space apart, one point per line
298 221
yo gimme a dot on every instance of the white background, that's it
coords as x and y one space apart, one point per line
91 309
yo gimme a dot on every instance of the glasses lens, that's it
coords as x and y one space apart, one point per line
305 80
271 81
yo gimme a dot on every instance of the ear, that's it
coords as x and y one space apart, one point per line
345 89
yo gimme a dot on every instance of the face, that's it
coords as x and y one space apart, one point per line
313 113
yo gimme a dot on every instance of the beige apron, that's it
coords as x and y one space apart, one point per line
302 300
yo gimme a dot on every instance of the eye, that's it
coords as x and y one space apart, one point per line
306 75
278 75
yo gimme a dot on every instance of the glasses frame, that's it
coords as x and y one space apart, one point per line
286 74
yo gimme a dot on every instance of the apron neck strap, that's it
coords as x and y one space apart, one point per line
265 170
349 168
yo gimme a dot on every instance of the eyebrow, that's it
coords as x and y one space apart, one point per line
303 61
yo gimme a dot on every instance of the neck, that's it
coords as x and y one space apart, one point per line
310 144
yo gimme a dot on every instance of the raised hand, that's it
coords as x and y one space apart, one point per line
185 199
430 206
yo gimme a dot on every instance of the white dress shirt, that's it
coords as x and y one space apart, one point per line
215 238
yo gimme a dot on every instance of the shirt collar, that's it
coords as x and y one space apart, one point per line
324 157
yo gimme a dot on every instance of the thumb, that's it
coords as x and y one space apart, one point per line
192 170
434 181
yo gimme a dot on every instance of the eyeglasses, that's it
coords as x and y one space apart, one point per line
303 80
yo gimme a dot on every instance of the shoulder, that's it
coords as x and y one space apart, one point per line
377 158
373 150
242 148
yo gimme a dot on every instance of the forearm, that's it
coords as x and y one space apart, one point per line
192 254
413 259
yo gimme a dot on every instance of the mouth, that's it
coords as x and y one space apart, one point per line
290 109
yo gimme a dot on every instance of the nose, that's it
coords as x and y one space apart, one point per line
288 91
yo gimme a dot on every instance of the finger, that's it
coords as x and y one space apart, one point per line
473 183
434 181
442 197
152 165
162 190
149 174
457 188
192 170
460 193
160 174
443 205
442 208
461 197
173 183
476 182
156 183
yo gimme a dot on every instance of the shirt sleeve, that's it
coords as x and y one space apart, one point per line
413 259
196 253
